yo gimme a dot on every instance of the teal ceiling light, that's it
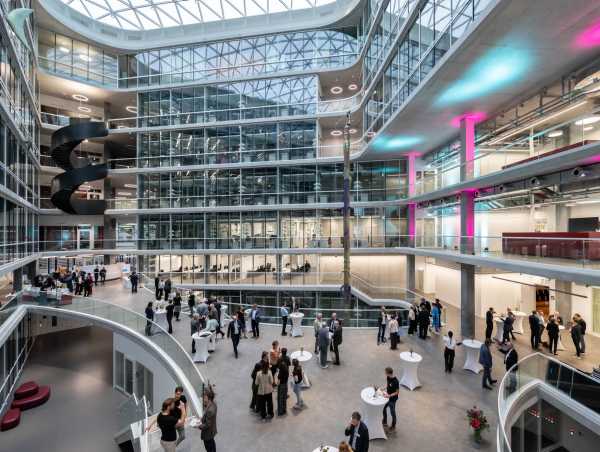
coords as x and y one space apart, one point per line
385 143
494 70
16 18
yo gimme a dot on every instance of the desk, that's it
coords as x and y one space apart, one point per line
373 403
472 359
410 377
296 318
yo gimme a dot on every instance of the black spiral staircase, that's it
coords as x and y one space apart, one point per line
77 169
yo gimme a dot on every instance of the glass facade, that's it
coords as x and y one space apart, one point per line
13 353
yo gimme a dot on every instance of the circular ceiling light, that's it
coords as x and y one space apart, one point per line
84 109
587 121
352 131
352 86
555 134
80 97
131 109
336 133
336 90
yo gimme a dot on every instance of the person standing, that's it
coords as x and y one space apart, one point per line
283 373
168 287
436 316
149 311
541 326
96 275
194 328
323 344
180 404
103 275
449 351
412 320
576 336
284 313
506 328
170 309
208 422
297 378
134 281
160 290
234 331
264 384
357 433
423 322
533 328
553 332
255 321
242 319
255 402
177 304
583 326
191 301
317 326
489 323
274 355
391 393
156 287
485 359
382 322
168 424
337 341
510 359
394 328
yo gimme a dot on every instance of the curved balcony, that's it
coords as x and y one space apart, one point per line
540 377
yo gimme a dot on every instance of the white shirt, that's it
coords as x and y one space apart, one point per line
450 343
393 326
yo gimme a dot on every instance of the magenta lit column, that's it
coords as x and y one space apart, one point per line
412 207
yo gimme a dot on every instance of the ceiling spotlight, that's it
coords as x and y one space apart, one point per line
84 109
587 121
555 134
336 90
352 131
80 97
336 133
131 109
352 86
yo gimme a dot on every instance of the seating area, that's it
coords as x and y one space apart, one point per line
27 396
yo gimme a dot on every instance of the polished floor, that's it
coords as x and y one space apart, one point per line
81 413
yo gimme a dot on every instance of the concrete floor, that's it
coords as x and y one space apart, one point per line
81 413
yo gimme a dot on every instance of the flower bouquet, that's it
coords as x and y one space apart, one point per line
478 422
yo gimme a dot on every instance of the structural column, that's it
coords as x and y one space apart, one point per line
18 279
412 207
467 197
467 301
410 275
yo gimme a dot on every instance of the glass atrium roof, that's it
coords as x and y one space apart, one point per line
152 14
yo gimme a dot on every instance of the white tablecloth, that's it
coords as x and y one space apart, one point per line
559 345
160 318
410 377
372 412
248 320
329 449
126 282
201 340
296 318
302 356
518 324
472 355
499 329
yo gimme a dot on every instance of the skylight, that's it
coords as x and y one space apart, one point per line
152 14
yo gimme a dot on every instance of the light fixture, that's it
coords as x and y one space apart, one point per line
336 90
86 141
555 134
588 128
352 86
590 201
336 133
84 109
131 109
123 193
85 58
129 185
587 121
352 131
80 97
64 49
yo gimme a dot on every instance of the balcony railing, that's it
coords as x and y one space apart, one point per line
538 369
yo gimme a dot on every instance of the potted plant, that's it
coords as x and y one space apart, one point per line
478 422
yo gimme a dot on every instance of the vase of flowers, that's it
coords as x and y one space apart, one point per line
478 422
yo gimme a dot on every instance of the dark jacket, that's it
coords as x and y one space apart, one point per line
489 318
230 328
337 336
485 356
552 329
583 326
423 317
362 441
512 357
576 332
323 338
209 422
508 323
534 323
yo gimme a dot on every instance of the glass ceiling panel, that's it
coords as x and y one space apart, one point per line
152 14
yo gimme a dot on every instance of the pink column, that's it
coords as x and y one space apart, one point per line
467 145
412 207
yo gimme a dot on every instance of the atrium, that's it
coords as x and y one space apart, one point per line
300 225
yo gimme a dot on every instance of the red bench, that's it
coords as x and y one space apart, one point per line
37 399
11 419
27 389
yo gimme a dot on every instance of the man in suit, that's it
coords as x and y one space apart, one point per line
485 359
358 434
553 334
533 327
489 323
511 358
507 328
255 321
336 340
234 331
323 344
208 423
331 326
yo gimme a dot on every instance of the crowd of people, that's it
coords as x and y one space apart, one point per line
77 281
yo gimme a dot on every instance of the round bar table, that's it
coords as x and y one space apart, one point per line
472 347
296 318
518 325
499 329
201 339
160 318
326 449
373 403
410 377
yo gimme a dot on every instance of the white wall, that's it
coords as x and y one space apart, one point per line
164 385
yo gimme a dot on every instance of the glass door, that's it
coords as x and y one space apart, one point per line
84 237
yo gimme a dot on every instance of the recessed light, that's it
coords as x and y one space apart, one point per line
336 90
84 109
129 185
352 131
588 120
588 128
131 109
64 49
80 97
336 133
86 141
352 86
555 134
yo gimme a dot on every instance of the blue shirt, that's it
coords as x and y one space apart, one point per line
283 311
